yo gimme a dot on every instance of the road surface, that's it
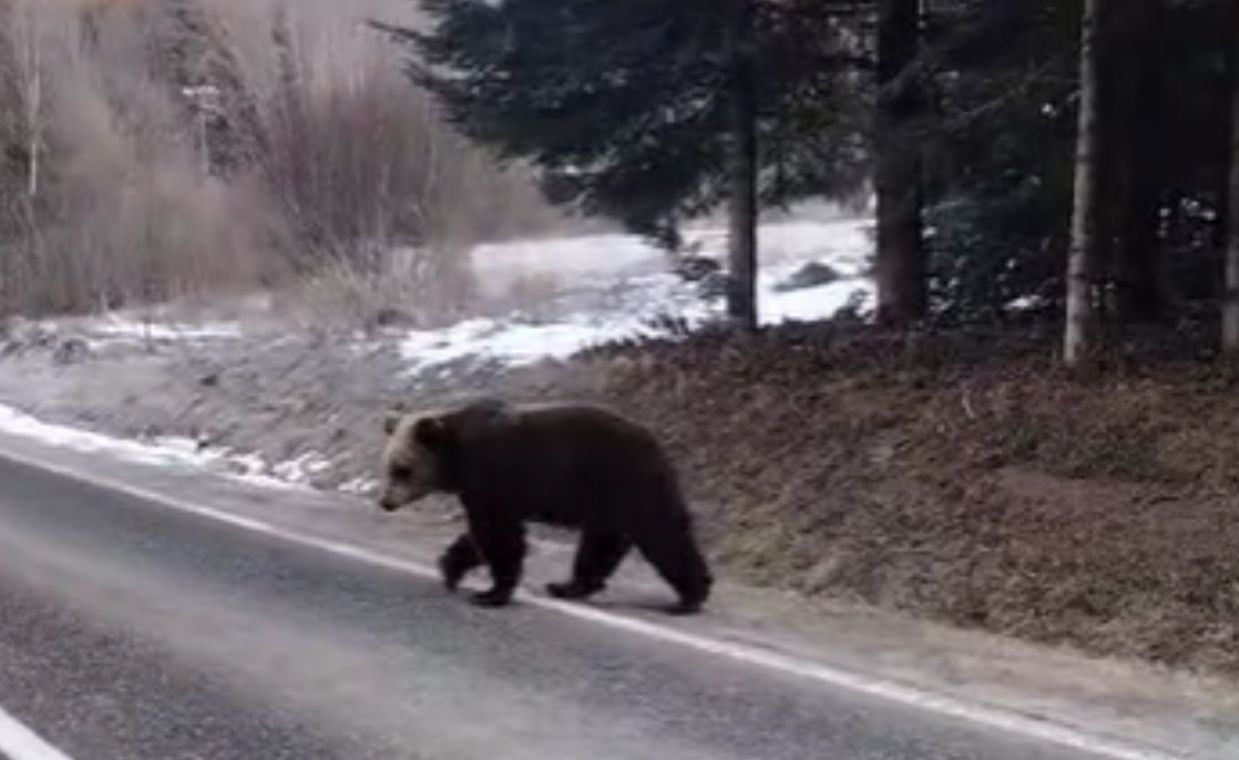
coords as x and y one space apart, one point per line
131 630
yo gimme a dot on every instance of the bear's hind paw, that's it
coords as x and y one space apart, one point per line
492 598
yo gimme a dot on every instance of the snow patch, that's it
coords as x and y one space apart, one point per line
116 325
809 304
174 451
603 288
301 469
359 486
1026 303
551 298
165 451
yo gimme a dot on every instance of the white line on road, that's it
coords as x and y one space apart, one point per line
20 743
1008 721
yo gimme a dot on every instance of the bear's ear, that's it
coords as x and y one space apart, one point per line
391 422
432 432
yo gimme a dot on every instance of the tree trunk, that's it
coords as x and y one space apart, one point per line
1230 307
742 175
901 268
32 97
34 103
1080 331
1133 129
1140 273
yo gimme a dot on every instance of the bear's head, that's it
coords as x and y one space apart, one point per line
414 459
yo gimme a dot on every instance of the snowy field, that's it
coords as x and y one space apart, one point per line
590 290
148 382
610 287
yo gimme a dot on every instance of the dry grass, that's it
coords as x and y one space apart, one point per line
966 479
403 288
115 191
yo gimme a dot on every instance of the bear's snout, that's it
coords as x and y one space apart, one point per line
388 504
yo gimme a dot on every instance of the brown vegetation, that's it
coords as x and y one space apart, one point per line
152 150
966 478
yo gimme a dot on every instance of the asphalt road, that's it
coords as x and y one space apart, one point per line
130 630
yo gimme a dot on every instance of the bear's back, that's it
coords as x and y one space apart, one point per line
566 462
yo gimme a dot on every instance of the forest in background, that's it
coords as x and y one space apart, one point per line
1068 160
1046 159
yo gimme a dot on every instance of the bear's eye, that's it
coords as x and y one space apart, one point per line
401 472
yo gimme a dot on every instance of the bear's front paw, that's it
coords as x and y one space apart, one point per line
450 573
495 597
572 590
686 607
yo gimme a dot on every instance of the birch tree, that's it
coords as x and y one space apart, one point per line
1080 331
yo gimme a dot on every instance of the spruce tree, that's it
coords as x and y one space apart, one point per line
649 111
900 267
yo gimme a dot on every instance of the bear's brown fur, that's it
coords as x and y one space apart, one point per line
569 465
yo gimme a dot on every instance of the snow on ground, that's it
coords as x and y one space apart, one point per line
626 308
125 326
586 290
600 288
164 451
359 486
172 451
135 328
842 243
608 287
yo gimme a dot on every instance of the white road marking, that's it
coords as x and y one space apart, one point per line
1007 721
17 742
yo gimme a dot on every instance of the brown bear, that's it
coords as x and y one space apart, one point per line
568 465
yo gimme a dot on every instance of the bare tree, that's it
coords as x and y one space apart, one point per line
33 85
12 160
110 110
360 164
1080 331
21 57
191 50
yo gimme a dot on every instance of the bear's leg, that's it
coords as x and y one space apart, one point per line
503 547
460 557
597 556
674 554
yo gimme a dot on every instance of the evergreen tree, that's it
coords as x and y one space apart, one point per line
900 267
1230 303
1000 142
999 133
650 111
